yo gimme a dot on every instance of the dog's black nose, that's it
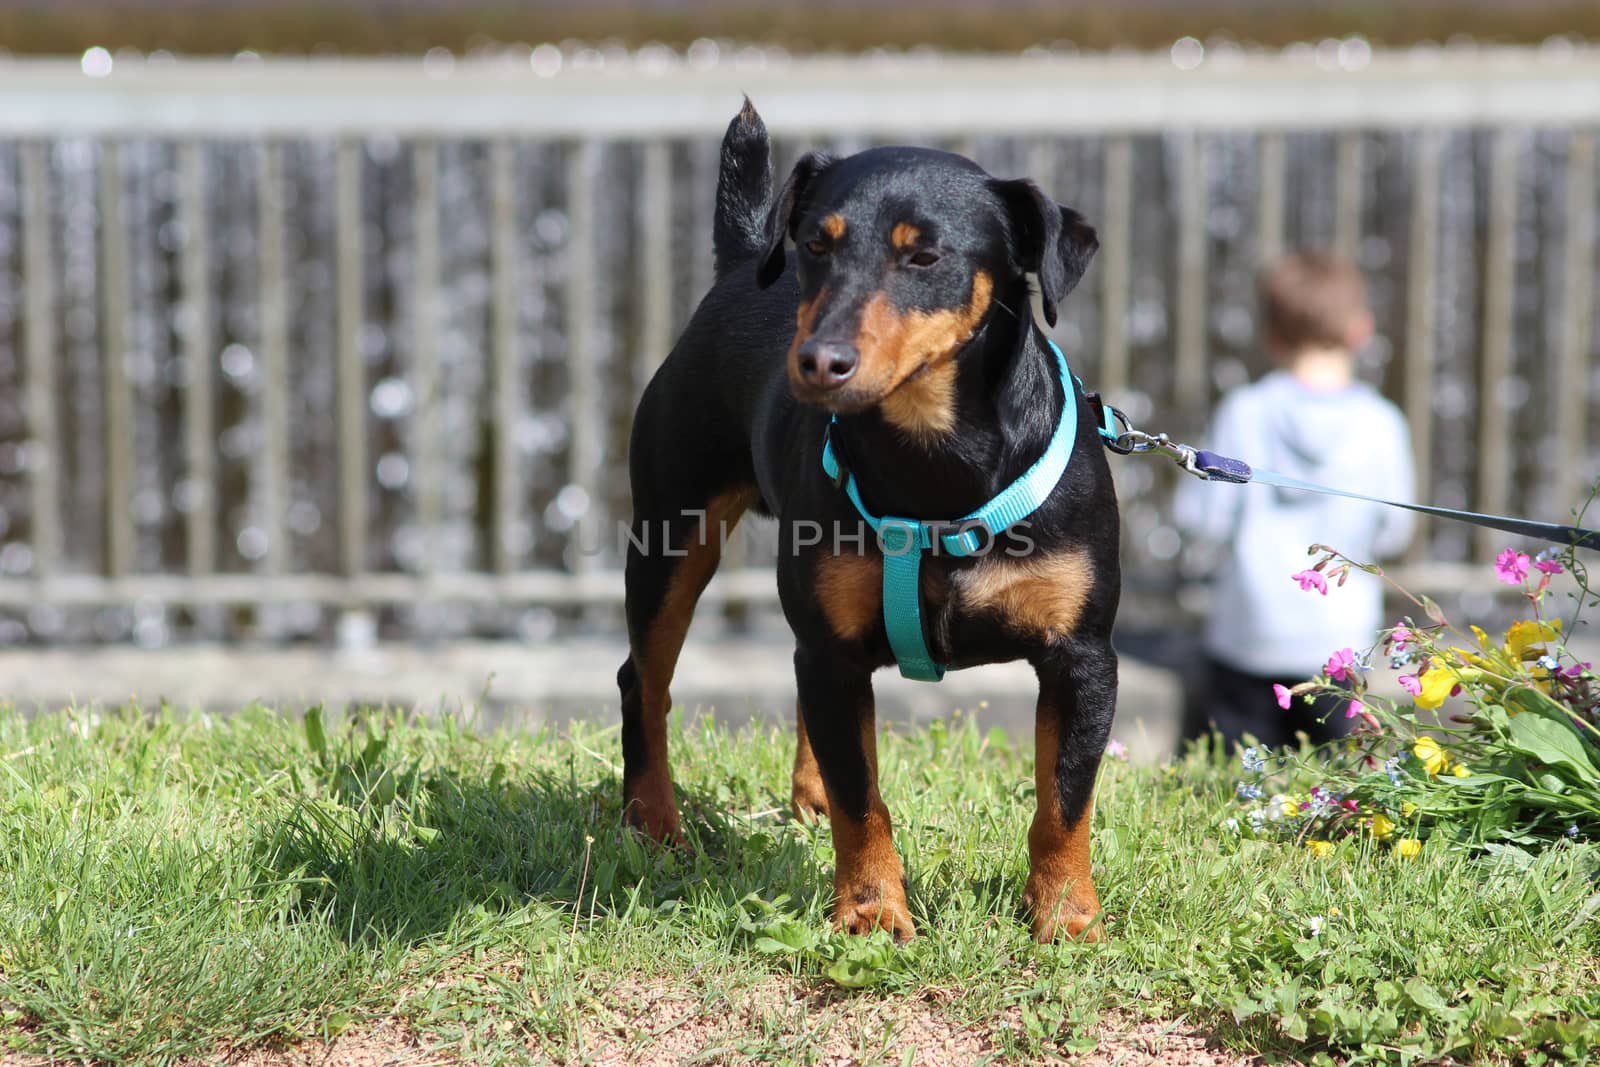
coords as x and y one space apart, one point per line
827 364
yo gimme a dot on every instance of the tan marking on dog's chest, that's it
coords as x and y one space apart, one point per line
1041 595
925 406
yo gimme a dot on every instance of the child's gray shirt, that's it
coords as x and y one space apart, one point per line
1351 438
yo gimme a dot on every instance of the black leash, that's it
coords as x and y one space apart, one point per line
1214 467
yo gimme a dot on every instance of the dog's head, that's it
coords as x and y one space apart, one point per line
901 255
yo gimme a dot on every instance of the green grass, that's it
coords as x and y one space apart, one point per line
175 886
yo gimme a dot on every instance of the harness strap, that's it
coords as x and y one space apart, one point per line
903 540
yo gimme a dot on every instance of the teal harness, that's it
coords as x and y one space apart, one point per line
903 541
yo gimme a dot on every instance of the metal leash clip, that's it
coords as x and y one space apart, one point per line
1133 441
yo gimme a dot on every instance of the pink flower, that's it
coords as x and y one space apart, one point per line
1310 580
1355 708
1511 566
1548 566
1283 695
1399 636
1410 684
1116 749
1341 665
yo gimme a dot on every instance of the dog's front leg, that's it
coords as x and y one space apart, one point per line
1077 698
840 722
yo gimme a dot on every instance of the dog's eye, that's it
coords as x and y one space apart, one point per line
816 247
925 258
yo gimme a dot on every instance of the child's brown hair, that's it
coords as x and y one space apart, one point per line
1310 300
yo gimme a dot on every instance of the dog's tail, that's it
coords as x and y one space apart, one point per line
744 190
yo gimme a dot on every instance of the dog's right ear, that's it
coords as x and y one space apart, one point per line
1052 241
785 212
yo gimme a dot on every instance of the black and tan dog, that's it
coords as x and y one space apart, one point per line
905 312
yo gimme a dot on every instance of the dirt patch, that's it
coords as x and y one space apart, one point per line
640 1024
651 1025
382 1045
1161 1045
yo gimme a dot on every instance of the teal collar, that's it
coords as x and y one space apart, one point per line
903 540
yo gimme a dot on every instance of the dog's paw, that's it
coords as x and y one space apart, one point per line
663 829
809 799
1077 920
1075 927
654 813
868 910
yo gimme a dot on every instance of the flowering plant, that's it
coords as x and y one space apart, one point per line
1488 742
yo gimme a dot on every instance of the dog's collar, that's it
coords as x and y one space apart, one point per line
904 540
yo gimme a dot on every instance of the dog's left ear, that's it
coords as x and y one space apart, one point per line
784 215
1052 241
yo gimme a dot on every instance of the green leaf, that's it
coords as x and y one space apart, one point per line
315 737
1584 914
853 973
1511 855
1243 1008
1552 744
1424 996
371 753
864 961
383 791
786 937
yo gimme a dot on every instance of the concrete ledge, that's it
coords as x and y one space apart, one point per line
739 680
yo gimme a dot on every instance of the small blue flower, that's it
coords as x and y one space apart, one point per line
1363 661
1391 767
1253 761
1248 791
1258 819
1399 659
1572 831
1549 553
1322 802
1548 662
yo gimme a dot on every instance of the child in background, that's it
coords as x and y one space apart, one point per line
1310 419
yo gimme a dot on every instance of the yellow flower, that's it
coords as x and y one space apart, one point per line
1408 848
1469 658
1432 756
1291 808
1529 632
1407 809
1334 912
1460 771
1437 682
1382 826
1320 848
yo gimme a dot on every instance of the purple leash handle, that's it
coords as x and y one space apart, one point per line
1220 468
